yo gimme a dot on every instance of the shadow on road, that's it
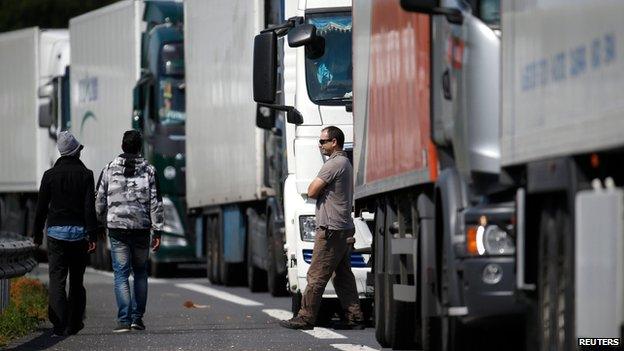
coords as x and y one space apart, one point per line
42 342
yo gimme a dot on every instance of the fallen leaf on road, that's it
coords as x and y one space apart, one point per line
191 304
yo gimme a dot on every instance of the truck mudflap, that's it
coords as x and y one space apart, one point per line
599 263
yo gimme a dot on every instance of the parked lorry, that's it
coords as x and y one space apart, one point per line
562 149
246 181
427 163
114 52
33 107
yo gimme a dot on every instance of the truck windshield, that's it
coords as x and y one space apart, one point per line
328 77
171 85
489 12
172 105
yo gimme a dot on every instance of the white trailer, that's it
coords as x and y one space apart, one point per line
246 181
562 143
33 62
224 147
106 63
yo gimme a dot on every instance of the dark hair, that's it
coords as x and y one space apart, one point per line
335 133
132 142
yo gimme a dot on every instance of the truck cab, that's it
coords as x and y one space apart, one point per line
159 113
310 82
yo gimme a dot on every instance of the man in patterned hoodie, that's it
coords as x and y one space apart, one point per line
128 200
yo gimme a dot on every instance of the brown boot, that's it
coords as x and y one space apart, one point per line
297 323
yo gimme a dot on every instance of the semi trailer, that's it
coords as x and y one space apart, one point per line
427 162
562 150
34 106
128 72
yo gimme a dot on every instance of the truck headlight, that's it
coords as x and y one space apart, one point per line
489 239
173 224
172 240
307 227
497 241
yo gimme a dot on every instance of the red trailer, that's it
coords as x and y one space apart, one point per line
426 161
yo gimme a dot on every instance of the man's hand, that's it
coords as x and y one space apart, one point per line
92 247
155 244
316 187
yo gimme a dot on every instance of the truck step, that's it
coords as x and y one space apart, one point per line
404 293
403 246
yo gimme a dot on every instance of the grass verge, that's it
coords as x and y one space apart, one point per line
27 308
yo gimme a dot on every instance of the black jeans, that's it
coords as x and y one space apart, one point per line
67 311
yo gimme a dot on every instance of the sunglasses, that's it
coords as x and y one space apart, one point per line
323 141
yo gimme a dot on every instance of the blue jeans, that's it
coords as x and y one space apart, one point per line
130 254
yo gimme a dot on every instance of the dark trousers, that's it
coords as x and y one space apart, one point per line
66 311
332 254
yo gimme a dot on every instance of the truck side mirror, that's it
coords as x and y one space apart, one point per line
265 117
432 7
293 116
265 67
46 117
305 34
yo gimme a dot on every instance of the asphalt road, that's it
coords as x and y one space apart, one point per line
192 314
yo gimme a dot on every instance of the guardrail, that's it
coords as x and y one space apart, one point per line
17 257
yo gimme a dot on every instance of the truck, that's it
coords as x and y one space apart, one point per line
127 71
427 164
246 181
562 150
35 105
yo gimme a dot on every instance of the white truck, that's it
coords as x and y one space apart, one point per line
33 106
246 181
105 67
562 146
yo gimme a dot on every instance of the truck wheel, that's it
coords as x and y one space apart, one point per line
296 303
555 289
160 269
275 281
256 277
213 245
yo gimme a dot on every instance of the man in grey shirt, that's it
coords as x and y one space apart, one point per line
333 191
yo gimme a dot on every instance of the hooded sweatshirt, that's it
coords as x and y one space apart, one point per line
128 196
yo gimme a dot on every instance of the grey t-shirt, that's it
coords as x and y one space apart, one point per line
333 206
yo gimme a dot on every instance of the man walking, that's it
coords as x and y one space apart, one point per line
333 191
66 201
128 199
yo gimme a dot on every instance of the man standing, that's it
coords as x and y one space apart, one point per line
128 199
333 191
66 201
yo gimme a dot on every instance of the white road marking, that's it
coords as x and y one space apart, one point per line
319 333
353 347
282 315
219 294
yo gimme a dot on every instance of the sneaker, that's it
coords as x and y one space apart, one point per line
138 325
122 328
354 325
296 323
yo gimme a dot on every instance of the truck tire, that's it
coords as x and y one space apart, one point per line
256 277
555 284
212 251
161 269
275 281
296 303
380 296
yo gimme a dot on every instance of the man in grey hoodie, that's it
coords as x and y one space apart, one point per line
129 202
